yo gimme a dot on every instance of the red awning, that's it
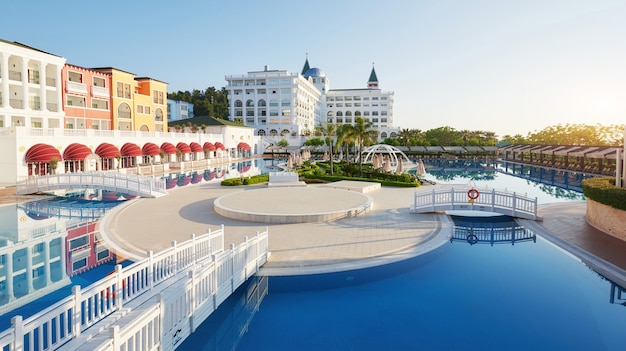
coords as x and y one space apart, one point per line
195 147
208 146
219 145
184 148
42 153
106 150
130 150
150 149
243 146
168 148
76 151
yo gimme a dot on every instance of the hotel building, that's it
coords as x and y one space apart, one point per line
279 102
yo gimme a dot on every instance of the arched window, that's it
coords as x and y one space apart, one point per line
273 132
261 132
348 113
357 113
339 114
330 114
285 132
249 103
158 115
238 103
261 103
124 111
393 135
383 135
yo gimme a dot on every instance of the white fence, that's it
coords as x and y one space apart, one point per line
487 199
113 181
152 304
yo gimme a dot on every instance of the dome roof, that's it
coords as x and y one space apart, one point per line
314 72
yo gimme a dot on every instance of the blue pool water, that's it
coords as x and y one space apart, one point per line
528 295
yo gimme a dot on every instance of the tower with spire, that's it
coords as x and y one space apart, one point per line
372 83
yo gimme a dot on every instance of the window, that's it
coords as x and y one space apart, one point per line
139 108
273 103
285 82
123 90
286 113
78 101
76 265
374 97
103 254
79 242
285 102
157 97
75 77
99 104
98 82
348 98
273 113
272 82
35 103
33 76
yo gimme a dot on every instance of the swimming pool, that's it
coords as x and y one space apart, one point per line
527 295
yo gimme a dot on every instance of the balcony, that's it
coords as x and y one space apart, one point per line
15 75
99 91
75 87
34 105
51 82
16 103
52 107
123 114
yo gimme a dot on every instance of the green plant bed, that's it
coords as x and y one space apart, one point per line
604 191
257 179
383 182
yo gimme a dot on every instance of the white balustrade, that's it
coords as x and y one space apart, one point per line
127 307
113 181
488 199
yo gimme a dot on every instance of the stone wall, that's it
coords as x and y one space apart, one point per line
607 219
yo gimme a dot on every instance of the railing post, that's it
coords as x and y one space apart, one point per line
114 334
257 252
493 200
76 316
514 203
232 268
193 250
175 258
17 323
434 197
119 286
150 269
452 197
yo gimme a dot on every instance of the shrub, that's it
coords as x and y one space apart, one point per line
604 191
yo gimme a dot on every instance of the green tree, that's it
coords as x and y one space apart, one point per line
329 132
344 138
364 134
283 143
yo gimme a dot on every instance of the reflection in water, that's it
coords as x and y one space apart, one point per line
228 324
489 230
558 184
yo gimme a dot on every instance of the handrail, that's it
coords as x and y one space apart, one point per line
113 181
111 298
488 199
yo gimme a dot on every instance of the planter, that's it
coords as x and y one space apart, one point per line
607 219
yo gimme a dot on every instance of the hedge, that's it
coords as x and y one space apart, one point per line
604 191
257 179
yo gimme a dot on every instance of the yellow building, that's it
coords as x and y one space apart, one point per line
136 103
150 105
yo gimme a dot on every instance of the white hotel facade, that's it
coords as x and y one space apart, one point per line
282 103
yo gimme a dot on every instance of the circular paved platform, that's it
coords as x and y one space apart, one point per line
292 205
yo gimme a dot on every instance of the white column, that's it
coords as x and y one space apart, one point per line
9 268
618 167
624 163
46 261
25 104
5 80
29 268
42 86
59 90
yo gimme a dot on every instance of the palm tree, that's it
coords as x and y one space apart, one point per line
328 130
364 134
344 137
405 137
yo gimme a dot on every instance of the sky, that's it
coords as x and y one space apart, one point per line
506 66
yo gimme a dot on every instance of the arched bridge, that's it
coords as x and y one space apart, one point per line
466 198
112 181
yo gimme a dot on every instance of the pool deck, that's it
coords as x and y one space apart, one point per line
386 233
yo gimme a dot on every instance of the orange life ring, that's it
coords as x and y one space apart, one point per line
473 194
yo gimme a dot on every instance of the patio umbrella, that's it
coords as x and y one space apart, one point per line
387 164
399 168
290 161
420 167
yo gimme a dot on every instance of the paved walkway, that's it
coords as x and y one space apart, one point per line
386 233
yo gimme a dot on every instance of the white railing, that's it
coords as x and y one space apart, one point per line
113 181
189 281
487 199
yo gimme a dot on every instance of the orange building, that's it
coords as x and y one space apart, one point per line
86 98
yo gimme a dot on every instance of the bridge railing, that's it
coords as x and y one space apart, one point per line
124 183
466 198
68 318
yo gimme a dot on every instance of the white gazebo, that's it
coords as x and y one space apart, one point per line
395 156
